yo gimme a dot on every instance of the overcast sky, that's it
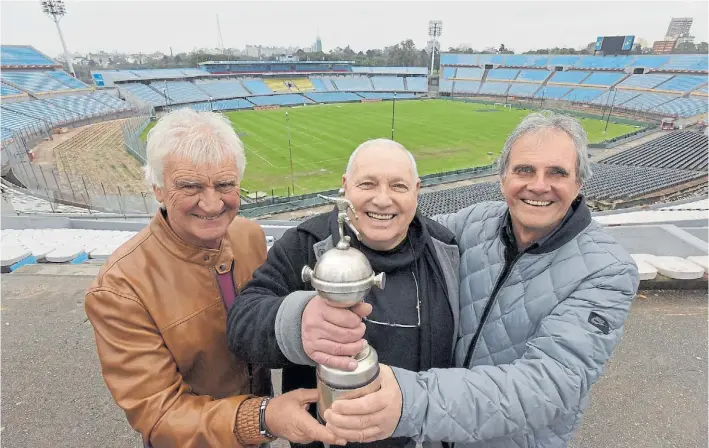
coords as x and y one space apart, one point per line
147 26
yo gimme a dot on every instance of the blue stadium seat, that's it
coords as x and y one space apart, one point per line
459 59
257 87
567 60
52 114
114 103
704 89
15 121
333 97
353 83
690 62
23 55
445 85
603 79
644 81
68 80
388 83
605 62
494 88
33 82
144 93
525 90
386 95
220 105
518 60
650 61
289 99
180 92
504 74
82 105
648 101
416 84
533 75
6 90
572 77
552 92
469 73
320 84
615 97
684 107
682 83
448 72
466 86
222 89
583 95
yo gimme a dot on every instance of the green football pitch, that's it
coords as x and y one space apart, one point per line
442 135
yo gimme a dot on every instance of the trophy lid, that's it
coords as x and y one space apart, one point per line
366 371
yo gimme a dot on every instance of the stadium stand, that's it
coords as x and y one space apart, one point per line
320 85
503 74
222 89
470 73
603 79
644 81
289 99
23 56
563 60
391 70
449 72
234 104
683 107
650 61
552 92
494 88
36 82
81 105
604 63
647 101
684 150
608 182
333 97
416 84
67 80
459 59
6 90
572 77
52 114
257 87
683 83
466 87
303 84
687 62
180 91
533 75
114 103
388 83
704 90
582 95
523 90
144 93
615 97
276 85
386 95
445 86
15 121
353 83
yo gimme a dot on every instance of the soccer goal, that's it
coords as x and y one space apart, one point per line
503 105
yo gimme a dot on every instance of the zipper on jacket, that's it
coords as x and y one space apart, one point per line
488 307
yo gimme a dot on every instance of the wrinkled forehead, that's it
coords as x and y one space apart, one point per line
382 162
184 166
545 147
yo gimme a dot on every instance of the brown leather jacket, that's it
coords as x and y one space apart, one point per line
160 324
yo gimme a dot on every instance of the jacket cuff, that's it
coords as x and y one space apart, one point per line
289 320
407 383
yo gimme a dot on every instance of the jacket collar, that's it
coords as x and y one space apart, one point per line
577 218
221 258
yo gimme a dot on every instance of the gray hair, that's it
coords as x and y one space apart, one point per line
384 144
202 137
540 121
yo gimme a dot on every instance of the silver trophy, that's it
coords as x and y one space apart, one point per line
344 276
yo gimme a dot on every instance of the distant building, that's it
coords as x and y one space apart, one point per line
318 45
678 27
663 46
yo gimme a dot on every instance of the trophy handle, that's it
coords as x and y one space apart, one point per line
342 217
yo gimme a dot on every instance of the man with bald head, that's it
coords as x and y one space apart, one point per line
410 322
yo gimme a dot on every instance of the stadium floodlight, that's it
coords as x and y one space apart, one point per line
56 10
435 27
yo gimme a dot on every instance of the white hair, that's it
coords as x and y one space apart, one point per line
202 137
540 121
384 144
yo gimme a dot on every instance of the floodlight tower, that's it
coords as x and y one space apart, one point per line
434 31
55 9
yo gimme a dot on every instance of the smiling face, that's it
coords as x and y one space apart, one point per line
540 183
201 201
382 187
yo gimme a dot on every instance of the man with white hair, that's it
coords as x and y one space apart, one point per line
159 304
544 294
410 322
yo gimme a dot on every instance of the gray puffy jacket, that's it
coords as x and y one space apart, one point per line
550 328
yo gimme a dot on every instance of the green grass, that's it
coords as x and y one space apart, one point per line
442 135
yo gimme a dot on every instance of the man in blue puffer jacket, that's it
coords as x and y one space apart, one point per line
544 294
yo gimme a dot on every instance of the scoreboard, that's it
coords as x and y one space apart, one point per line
615 44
